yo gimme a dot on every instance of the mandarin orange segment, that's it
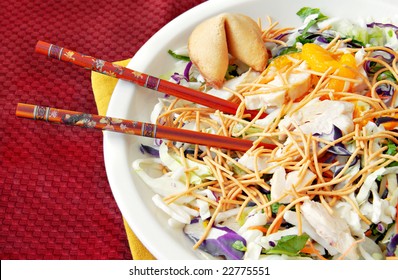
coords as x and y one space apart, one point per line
318 58
346 64
284 61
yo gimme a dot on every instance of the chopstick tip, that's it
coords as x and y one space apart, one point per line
24 110
42 47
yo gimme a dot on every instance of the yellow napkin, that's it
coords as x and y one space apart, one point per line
103 88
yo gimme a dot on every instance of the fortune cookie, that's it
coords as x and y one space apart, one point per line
212 41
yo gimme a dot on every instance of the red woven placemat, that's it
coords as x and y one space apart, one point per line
55 201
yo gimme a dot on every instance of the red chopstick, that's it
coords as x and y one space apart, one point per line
141 79
80 119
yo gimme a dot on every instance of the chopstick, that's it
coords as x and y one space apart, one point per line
141 79
85 120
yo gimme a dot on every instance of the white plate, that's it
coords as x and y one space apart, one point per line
132 102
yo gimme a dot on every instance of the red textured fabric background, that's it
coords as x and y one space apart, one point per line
55 200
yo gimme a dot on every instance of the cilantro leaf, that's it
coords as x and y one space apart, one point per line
287 50
289 245
232 72
275 207
392 148
307 11
386 75
393 164
392 151
303 13
238 245
178 56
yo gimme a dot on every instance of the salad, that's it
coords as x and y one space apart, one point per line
329 190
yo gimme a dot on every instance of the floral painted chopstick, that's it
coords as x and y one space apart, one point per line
85 120
141 79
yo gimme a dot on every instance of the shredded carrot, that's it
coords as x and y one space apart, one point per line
311 250
278 224
260 228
